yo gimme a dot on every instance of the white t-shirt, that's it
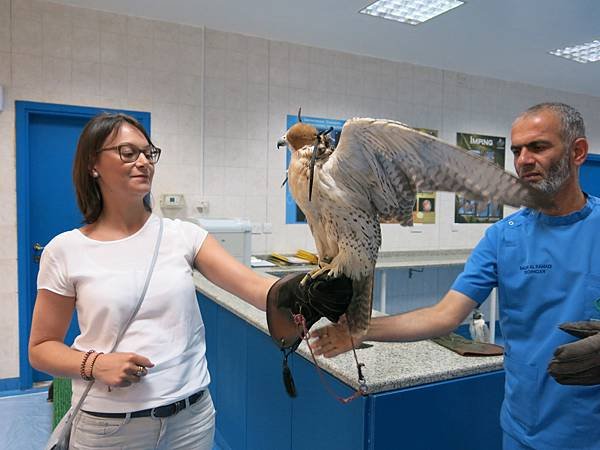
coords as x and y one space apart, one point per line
107 278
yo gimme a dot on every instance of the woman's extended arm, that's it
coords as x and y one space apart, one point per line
424 323
219 267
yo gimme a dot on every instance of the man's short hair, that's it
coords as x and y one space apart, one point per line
571 121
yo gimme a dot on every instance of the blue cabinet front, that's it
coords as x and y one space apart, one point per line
255 413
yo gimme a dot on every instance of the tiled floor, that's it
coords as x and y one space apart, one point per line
25 420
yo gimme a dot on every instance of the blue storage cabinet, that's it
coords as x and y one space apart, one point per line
255 413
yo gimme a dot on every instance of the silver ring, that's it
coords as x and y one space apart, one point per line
141 371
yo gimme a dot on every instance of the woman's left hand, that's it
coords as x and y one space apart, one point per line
121 369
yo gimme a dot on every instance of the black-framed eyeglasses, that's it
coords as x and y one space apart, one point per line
130 153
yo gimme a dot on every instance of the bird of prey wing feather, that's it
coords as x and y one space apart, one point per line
373 175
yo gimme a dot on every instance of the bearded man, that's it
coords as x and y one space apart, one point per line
546 266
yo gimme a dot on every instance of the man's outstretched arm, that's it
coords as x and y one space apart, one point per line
424 323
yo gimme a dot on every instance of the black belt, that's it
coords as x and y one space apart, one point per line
160 411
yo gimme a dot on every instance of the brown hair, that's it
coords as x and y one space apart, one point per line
93 136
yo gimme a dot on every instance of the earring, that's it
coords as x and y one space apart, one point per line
95 173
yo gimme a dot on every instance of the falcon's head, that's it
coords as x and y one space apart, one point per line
298 136
301 135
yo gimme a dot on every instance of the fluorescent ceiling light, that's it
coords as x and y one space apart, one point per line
412 12
583 53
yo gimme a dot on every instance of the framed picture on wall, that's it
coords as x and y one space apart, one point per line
424 209
491 148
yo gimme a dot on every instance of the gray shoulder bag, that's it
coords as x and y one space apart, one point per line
59 440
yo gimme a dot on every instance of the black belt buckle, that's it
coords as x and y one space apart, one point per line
168 410
179 405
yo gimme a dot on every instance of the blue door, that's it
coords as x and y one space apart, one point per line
47 137
589 175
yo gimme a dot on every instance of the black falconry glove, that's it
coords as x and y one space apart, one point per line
288 301
578 363
320 297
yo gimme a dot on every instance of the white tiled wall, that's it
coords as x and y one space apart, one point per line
219 103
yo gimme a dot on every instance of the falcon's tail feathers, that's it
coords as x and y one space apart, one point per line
359 310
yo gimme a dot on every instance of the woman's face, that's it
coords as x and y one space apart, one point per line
119 179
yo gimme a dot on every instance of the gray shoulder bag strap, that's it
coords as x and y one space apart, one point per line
60 436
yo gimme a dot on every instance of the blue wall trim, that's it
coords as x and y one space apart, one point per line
9 384
593 157
23 112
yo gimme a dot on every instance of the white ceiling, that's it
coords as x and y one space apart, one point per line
506 39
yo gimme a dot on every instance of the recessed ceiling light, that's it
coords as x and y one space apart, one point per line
412 12
583 53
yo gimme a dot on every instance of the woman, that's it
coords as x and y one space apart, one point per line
100 270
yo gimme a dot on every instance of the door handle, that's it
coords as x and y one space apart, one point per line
37 247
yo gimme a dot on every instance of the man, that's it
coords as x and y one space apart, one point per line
546 265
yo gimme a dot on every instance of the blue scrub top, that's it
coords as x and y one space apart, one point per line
547 270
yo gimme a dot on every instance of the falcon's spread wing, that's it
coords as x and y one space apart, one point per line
373 175
396 161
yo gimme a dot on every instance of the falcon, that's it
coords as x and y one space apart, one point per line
373 176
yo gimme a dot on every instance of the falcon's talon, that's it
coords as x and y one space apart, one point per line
305 280
324 269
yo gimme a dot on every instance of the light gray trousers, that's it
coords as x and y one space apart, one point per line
191 429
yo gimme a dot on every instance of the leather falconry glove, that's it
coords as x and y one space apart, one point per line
578 363
319 297
292 308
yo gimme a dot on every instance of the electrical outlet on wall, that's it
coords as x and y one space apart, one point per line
202 207
172 201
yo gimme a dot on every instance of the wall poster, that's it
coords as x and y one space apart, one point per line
424 209
492 148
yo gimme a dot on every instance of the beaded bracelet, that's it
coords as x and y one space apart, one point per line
94 362
82 368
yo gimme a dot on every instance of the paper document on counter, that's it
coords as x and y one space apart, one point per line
257 262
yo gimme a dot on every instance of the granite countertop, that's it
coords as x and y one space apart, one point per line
392 259
388 366
422 258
